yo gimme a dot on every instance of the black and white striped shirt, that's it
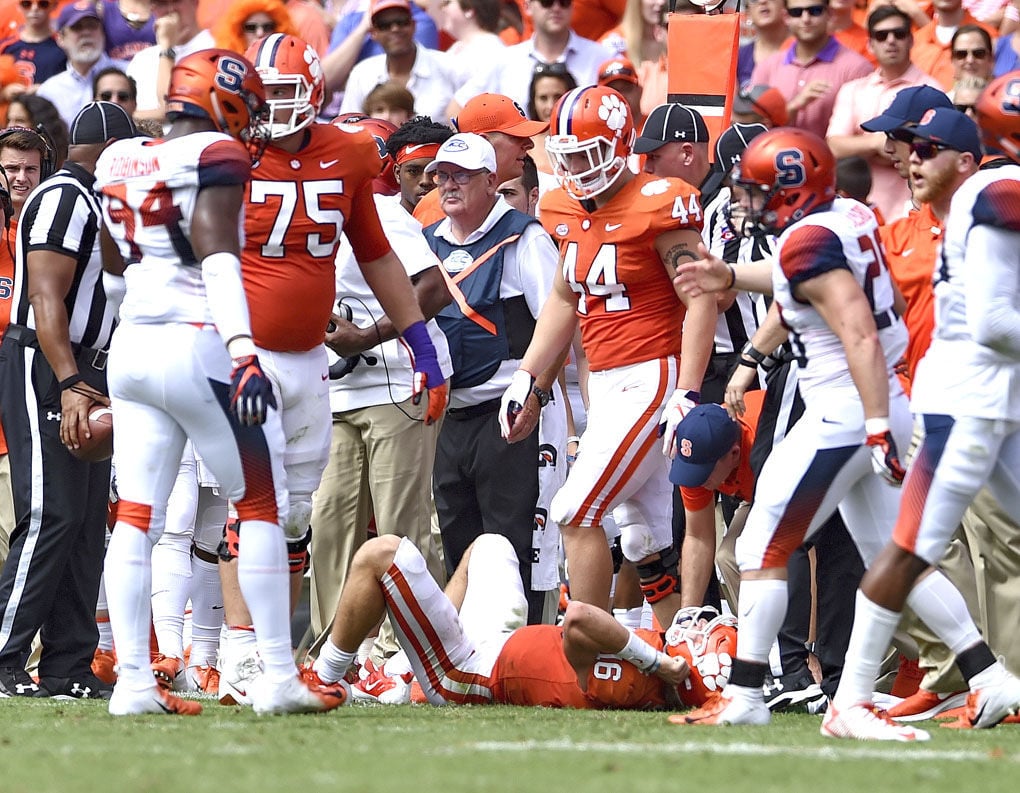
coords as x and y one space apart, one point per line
739 322
63 215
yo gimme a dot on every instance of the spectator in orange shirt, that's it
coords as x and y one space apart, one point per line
932 50
847 31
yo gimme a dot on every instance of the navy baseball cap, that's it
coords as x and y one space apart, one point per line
907 107
950 128
703 437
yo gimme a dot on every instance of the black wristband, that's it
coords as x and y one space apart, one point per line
747 363
73 380
755 355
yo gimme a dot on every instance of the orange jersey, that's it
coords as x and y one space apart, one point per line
740 482
532 670
297 206
628 308
911 247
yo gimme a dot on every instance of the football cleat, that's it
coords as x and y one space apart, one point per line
104 666
797 691
205 679
867 722
298 694
236 681
16 682
720 709
377 686
170 673
922 705
988 705
155 700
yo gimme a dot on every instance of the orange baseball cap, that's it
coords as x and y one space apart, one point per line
764 101
497 113
618 68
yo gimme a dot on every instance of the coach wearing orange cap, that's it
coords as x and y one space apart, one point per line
502 122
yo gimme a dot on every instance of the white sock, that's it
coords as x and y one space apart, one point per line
103 623
236 643
942 608
332 663
762 609
206 612
264 579
171 588
870 638
128 574
397 664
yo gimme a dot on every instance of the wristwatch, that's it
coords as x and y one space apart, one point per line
169 52
543 397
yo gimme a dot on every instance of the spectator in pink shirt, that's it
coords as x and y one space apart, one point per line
866 97
812 69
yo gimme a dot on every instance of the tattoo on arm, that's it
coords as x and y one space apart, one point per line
676 255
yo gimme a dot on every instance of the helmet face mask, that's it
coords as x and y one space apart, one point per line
283 60
590 137
708 644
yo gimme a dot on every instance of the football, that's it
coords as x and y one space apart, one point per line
100 446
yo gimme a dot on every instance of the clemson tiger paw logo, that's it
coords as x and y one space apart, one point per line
614 113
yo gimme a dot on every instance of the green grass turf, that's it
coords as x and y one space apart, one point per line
76 746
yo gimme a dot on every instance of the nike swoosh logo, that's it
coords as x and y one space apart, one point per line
829 421
381 684
216 608
325 377
411 149
908 251
327 163
613 226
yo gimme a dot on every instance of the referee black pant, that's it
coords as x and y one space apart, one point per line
50 582
484 485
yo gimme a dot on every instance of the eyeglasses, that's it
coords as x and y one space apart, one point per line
41 4
458 177
107 96
557 69
978 54
900 34
396 23
549 3
259 27
815 11
926 150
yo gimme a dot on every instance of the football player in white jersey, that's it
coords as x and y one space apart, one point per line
837 300
967 398
173 208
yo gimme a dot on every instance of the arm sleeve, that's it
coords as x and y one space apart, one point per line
993 262
221 274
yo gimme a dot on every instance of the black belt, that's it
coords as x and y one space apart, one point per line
27 337
886 318
474 411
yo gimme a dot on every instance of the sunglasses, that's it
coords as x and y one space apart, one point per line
259 27
458 177
979 54
926 150
900 34
107 96
397 23
42 4
815 11
557 69
965 108
550 3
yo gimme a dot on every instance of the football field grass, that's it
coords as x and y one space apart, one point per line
66 747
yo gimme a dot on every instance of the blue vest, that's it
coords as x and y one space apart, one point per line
493 329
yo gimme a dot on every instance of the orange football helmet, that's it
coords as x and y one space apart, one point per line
789 173
283 60
998 115
380 129
709 646
221 86
591 134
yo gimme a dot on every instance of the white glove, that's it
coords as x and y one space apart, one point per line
680 403
513 400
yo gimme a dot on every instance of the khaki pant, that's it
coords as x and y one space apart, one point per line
380 467
6 507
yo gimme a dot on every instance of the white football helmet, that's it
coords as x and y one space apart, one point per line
281 59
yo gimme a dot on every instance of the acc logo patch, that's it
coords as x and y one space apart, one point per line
457 261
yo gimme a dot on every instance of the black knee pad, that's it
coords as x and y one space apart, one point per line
297 552
659 577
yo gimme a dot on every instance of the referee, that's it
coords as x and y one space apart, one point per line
52 361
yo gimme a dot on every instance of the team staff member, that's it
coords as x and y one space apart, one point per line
6 296
621 237
51 375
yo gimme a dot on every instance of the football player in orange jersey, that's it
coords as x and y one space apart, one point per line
312 183
469 645
621 237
